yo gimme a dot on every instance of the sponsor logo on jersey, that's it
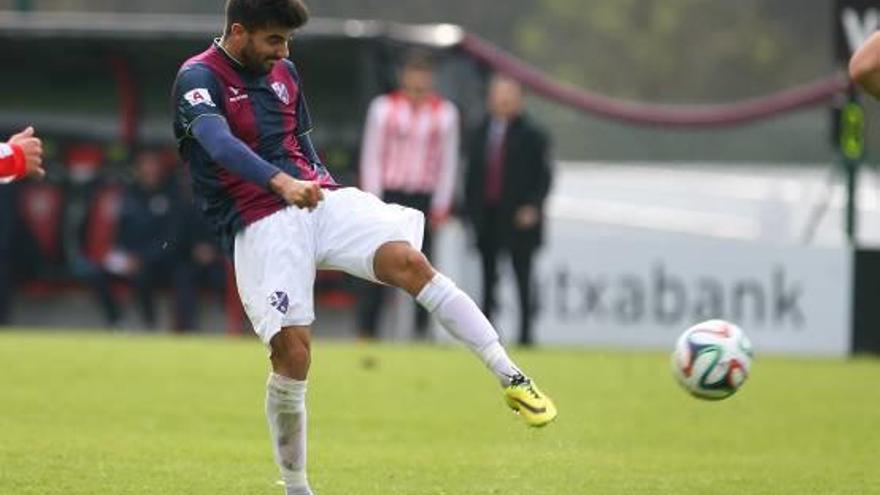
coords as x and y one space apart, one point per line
281 90
279 301
237 95
199 96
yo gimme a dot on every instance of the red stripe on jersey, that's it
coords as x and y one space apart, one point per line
281 74
252 201
240 112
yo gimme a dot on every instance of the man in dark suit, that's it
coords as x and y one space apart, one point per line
508 178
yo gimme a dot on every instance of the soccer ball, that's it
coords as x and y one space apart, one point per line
712 359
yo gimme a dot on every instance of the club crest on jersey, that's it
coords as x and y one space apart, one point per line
281 90
199 96
279 301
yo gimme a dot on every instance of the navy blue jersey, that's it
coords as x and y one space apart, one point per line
266 112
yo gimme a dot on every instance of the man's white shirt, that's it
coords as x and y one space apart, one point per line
409 148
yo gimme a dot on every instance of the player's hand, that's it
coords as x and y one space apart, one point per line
300 193
33 152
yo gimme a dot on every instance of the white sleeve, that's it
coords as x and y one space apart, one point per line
442 199
371 147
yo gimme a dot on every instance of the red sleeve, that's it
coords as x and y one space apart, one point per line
12 161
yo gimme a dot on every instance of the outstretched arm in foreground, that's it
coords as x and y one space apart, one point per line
864 66
22 156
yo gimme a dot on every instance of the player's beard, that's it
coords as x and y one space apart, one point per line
254 61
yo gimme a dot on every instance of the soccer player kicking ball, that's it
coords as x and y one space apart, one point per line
21 156
243 127
864 66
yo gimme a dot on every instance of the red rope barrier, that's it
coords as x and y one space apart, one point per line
808 95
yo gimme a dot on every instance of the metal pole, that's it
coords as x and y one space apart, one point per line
852 171
852 147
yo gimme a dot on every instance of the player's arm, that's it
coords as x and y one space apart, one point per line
215 136
11 161
864 66
197 114
22 156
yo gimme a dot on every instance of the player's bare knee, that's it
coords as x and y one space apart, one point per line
291 354
419 267
415 271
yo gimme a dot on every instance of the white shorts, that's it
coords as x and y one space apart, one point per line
276 257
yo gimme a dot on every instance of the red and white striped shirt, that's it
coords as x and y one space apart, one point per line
411 149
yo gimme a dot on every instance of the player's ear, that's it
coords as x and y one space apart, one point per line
237 29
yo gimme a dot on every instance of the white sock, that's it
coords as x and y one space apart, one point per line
461 317
286 412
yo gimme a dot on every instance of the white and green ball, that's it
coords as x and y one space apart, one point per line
712 360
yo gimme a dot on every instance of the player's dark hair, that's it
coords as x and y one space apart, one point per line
258 14
418 59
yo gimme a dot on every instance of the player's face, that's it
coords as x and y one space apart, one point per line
417 83
264 47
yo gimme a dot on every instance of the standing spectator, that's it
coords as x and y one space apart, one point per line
409 156
81 219
508 179
146 249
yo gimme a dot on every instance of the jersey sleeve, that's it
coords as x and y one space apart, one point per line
12 164
7 160
196 95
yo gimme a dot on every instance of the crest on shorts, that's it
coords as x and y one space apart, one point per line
279 301
281 91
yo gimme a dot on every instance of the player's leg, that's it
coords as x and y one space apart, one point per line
420 202
400 265
275 272
422 316
286 405
376 241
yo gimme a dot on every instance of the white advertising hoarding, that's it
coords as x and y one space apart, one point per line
641 289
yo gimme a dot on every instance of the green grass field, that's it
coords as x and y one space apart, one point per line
97 414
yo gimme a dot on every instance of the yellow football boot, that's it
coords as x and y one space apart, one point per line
535 408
